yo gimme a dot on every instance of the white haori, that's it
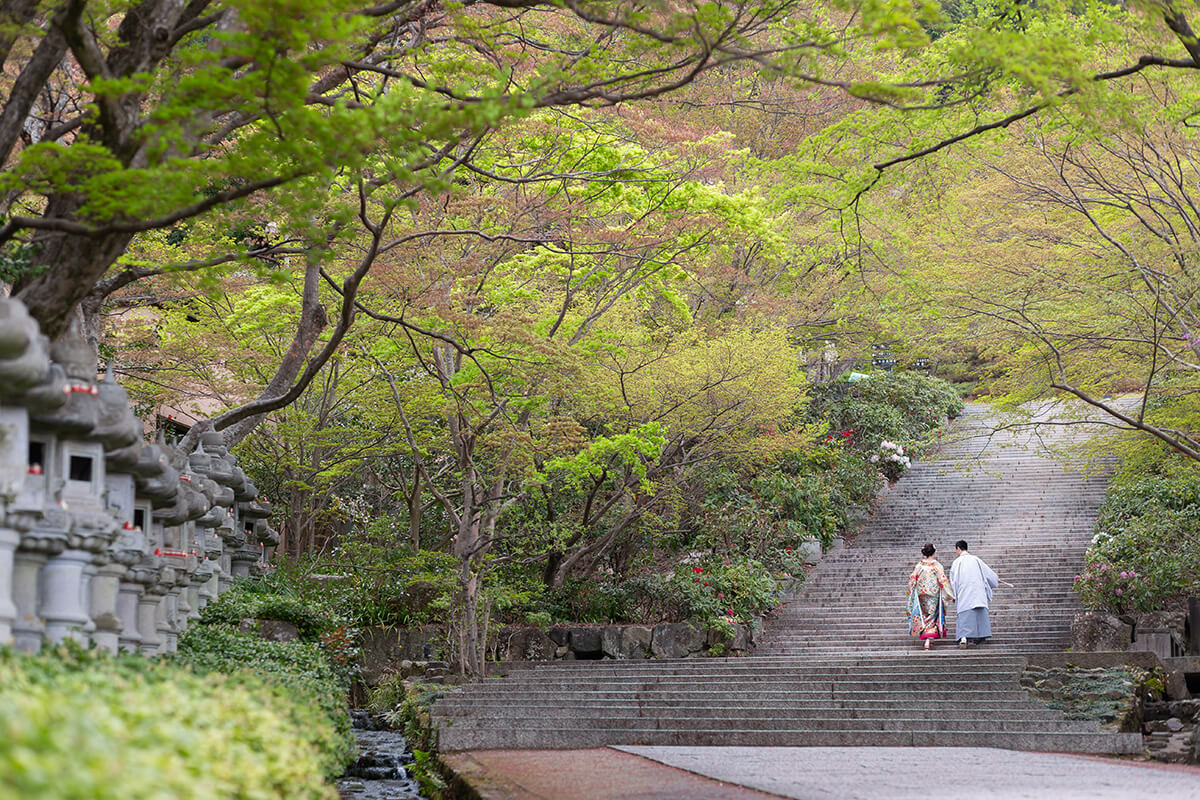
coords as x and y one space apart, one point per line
973 582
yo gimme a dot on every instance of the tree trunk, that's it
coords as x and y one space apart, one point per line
312 321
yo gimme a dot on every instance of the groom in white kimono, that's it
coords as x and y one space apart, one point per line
973 582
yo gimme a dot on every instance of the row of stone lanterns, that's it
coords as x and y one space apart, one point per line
102 539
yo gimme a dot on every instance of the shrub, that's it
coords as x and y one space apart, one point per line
78 725
297 671
248 600
719 593
374 582
896 406
1146 550
1144 563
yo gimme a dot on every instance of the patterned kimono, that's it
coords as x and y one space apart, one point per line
928 591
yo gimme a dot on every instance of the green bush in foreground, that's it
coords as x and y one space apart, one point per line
77 725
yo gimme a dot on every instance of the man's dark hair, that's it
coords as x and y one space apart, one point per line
928 550
961 544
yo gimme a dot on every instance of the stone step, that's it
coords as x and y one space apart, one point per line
453 738
814 723
488 708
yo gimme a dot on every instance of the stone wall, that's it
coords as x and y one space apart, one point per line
104 538
1165 633
594 642
1111 695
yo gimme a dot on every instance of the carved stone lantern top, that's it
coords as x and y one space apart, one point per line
24 351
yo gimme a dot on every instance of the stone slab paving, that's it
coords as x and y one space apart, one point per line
895 773
599 773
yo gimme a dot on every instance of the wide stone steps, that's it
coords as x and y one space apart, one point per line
835 665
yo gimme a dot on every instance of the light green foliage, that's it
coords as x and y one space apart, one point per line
80 726
315 689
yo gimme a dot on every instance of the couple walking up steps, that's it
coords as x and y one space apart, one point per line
970 584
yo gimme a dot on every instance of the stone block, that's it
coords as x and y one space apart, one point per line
1099 632
420 643
677 640
380 649
272 630
810 551
559 635
636 641
528 644
584 641
610 642
1172 623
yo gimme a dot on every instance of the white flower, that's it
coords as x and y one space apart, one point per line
875 458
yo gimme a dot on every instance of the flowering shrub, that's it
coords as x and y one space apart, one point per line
725 591
891 460
888 406
1146 550
1105 587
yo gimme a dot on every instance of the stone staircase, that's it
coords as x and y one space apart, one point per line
836 666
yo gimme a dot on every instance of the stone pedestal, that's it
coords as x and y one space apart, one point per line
28 626
147 626
224 575
105 588
168 622
9 539
128 596
63 602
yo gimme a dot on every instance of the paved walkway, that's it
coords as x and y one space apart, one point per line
815 773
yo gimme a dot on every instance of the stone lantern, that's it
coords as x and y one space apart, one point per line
160 490
248 552
37 516
24 363
254 515
177 562
121 434
78 460
202 536
226 535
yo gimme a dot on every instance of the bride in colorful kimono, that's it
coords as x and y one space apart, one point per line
928 591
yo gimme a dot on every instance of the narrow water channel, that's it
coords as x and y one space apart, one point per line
381 772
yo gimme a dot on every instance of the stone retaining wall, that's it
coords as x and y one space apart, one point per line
384 649
667 640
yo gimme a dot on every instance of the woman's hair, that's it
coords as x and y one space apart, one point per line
928 550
